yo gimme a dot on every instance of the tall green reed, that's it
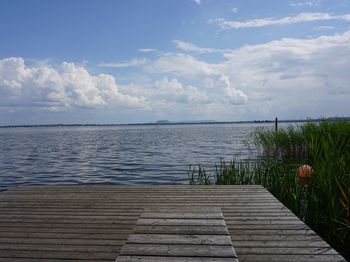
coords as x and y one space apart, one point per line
324 203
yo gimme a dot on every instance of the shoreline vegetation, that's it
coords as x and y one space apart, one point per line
320 198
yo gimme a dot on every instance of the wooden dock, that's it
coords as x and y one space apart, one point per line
179 234
101 223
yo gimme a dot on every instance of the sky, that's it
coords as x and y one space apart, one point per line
137 61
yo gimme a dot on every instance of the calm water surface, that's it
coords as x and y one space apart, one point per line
117 155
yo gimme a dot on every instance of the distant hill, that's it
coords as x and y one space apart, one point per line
162 122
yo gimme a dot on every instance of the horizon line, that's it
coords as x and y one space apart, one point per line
190 122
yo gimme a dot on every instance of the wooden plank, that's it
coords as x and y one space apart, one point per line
82 220
248 232
61 248
63 212
8 259
298 250
182 243
182 239
60 224
268 227
62 241
48 255
183 229
128 188
151 196
103 205
183 210
241 236
178 221
13 217
33 235
290 258
180 215
264 222
178 250
173 259
281 243
235 219
32 231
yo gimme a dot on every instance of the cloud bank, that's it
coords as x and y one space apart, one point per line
289 77
296 76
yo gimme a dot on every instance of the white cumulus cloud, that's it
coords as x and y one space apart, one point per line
289 72
55 88
173 90
235 96
180 64
289 77
292 75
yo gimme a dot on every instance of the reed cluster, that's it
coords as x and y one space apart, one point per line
321 200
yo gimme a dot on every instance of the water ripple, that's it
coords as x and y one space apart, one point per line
115 155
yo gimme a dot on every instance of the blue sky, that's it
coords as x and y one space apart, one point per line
139 61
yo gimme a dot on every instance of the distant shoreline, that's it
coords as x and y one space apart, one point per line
169 123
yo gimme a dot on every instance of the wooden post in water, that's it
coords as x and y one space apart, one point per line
276 124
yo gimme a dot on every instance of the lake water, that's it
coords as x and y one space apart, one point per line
116 154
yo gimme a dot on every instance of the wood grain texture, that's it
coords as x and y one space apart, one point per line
143 244
92 223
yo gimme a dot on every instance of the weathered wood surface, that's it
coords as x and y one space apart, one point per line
92 222
143 243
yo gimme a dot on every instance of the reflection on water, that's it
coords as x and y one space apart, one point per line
119 155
